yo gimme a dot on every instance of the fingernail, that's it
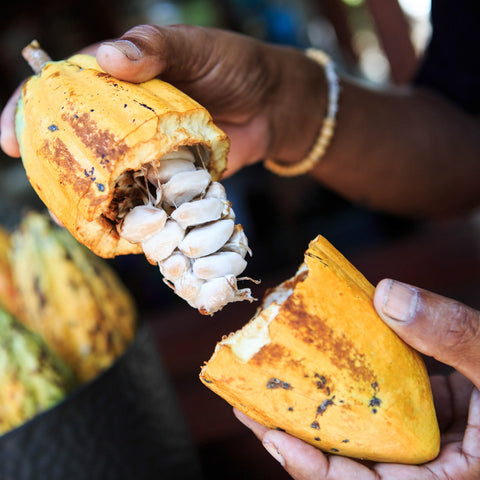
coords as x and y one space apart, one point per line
128 48
400 301
273 451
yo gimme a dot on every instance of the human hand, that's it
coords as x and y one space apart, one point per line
438 327
261 95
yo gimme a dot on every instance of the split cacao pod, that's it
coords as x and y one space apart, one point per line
318 362
82 132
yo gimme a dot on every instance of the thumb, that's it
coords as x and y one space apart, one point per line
146 51
434 325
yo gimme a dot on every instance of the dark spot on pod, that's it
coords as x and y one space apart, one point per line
124 105
147 107
207 381
277 383
115 84
38 291
279 429
52 127
92 110
375 402
315 425
290 409
345 440
321 382
334 450
324 405
317 439
100 187
374 410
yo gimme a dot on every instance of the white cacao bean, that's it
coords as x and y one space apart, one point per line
206 239
141 222
174 266
219 265
185 186
228 211
197 212
162 244
188 287
216 190
215 294
168 168
183 153
238 242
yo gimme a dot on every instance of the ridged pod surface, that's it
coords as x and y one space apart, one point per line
318 362
32 377
70 297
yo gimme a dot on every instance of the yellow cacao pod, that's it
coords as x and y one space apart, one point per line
71 298
83 134
318 362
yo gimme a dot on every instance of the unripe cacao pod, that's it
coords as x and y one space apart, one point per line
32 377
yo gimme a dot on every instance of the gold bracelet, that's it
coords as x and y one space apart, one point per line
328 126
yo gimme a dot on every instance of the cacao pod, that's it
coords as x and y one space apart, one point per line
98 150
32 377
318 362
83 134
71 298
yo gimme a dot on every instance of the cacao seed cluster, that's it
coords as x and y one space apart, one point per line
187 226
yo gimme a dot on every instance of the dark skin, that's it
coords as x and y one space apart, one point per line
406 151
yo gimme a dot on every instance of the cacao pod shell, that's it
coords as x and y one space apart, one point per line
79 130
318 362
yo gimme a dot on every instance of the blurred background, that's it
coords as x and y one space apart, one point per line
379 41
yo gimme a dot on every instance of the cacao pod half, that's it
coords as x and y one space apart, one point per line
83 134
71 298
318 362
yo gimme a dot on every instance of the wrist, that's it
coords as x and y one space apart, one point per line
325 133
297 107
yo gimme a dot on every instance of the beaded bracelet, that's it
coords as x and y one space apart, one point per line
328 125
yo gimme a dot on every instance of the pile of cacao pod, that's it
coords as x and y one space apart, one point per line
65 316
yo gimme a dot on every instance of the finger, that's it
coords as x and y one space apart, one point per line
8 139
471 439
256 428
305 462
432 324
146 51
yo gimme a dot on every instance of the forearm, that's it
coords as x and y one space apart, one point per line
410 153
405 151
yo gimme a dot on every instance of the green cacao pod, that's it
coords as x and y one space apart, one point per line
32 377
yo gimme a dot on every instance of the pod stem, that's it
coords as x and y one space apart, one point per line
35 56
